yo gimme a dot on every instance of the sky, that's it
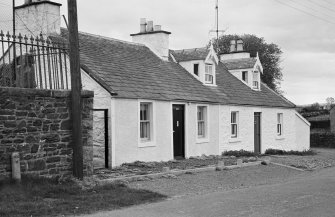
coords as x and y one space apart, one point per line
303 29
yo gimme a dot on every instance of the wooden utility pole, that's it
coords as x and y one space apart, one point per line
75 90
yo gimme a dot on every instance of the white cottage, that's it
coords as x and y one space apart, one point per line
159 104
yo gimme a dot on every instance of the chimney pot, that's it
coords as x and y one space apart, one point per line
143 25
232 46
157 27
239 45
150 26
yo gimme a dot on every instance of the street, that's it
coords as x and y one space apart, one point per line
310 195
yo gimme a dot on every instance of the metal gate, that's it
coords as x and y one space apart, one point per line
100 138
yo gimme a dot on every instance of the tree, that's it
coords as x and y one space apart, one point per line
269 55
330 101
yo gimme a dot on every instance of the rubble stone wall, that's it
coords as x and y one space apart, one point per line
37 124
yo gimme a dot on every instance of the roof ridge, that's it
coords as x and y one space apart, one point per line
106 37
195 49
110 39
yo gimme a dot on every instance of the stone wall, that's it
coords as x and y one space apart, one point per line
37 124
325 140
332 119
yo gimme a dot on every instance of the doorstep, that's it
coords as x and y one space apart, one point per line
176 172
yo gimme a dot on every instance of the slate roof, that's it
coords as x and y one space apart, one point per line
190 54
242 63
133 71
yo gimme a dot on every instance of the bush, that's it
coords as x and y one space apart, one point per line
282 152
240 153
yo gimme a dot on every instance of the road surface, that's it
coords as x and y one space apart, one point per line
311 195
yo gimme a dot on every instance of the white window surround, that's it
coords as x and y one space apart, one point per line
256 84
279 126
196 69
204 139
209 73
152 113
232 138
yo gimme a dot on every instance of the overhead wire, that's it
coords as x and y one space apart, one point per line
305 12
322 6
312 8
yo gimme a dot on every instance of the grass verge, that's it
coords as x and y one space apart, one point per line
282 152
240 153
48 197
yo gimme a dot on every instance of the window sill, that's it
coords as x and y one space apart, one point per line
235 140
280 138
202 140
146 143
212 85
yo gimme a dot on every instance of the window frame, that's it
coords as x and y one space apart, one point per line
280 118
202 121
256 82
196 66
205 137
147 142
245 74
145 121
209 73
234 125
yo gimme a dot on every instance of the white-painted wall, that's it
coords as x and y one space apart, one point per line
33 20
209 145
237 55
125 145
189 66
302 127
293 129
102 100
128 147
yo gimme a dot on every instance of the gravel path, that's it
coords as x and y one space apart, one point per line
323 159
205 182
144 168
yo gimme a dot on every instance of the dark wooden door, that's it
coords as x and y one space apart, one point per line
178 131
257 132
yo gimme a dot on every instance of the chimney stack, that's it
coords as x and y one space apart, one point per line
232 46
150 26
157 27
37 17
239 45
143 25
154 38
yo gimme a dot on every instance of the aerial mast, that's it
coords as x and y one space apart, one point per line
216 28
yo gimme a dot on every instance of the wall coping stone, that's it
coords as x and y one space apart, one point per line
14 91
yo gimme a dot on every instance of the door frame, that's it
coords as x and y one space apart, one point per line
185 128
260 131
106 135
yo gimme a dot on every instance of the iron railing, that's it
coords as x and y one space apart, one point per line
33 62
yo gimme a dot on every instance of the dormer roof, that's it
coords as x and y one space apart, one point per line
243 63
202 53
190 54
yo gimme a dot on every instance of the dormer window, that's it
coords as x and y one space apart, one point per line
196 69
209 74
255 81
245 76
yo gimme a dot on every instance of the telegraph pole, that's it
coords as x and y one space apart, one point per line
75 90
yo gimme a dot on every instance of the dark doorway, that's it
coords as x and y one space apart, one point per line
100 138
178 132
257 132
